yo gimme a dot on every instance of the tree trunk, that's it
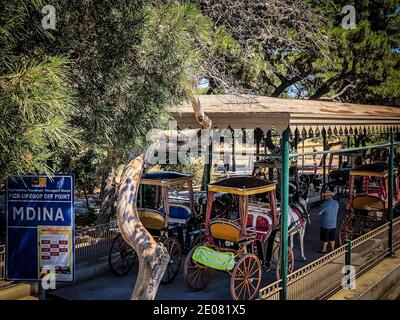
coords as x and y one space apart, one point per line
198 110
205 123
108 195
153 256
88 207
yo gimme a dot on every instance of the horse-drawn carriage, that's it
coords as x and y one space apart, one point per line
173 223
270 170
240 244
338 179
368 200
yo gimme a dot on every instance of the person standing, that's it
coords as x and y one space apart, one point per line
328 219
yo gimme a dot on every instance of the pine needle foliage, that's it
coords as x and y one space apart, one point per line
36 100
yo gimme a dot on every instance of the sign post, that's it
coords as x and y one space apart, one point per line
40 229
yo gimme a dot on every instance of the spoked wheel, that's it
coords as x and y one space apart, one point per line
198 240
369 223
175 259
121 257
196 275
193 238
246 278
346 229
290 265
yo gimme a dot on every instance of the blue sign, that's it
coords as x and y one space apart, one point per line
40 227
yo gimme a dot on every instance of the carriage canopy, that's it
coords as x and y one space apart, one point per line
165 178
372 170
242 186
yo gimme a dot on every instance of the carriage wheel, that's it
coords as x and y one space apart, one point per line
121 257
196 275
175 259
346 229
369 223
290 264
246 278
198 240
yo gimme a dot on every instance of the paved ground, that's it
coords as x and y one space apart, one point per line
119 288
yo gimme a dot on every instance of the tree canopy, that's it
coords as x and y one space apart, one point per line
35 101
300 49
119 63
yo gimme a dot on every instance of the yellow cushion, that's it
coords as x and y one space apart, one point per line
151 219
368 203
225 230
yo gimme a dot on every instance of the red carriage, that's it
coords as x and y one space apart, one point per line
237 244
368 199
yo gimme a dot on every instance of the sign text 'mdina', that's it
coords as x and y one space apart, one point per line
37 213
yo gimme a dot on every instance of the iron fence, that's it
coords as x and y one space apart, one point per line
272 291
91 243
323 277
309 281
94 242
2 262
396 234
370 249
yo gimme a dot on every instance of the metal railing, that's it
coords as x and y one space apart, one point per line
2 262
396 234
323 277
92 243
370 249
309 281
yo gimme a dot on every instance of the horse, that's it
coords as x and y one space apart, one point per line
298 213
298 218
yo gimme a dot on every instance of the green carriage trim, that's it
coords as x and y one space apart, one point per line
214 259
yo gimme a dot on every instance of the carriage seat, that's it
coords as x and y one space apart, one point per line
226 230
151 219
375 191
260 223
368 202
178 213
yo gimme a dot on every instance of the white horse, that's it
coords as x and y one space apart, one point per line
298 218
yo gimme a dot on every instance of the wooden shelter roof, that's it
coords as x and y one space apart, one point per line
308 116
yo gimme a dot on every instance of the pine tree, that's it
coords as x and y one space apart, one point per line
128 61
36 101
331 62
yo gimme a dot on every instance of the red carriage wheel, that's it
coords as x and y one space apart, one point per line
175 259
369 223
246 277
290 264
196 275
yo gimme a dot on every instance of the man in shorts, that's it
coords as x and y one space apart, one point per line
328 218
